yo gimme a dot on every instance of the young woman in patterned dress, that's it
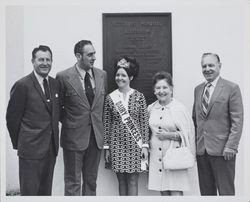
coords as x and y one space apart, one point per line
126 142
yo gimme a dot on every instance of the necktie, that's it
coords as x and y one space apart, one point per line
88 89
205 98
46 89
47 92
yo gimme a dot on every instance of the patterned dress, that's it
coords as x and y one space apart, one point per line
125 153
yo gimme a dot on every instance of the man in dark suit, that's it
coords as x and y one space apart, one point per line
83 88
218 118
32 120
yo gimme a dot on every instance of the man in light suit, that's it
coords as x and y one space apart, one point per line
32 120
83 88
218 118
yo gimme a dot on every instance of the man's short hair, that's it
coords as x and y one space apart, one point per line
213 54
79 46
41 48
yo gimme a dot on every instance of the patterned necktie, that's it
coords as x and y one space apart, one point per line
205 98
47 92
88 89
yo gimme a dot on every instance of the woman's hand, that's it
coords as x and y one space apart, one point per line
144 153
162 134
107 155
170 135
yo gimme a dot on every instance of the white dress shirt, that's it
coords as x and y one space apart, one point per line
212 87
40 80
82 73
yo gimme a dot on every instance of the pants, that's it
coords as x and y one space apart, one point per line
83 164
36 176
216 174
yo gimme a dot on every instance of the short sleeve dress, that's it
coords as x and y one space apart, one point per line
125 153
160 179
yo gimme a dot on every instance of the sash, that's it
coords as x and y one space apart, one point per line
126 118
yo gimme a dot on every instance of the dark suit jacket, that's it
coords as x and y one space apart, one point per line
222 126
77 115
30 121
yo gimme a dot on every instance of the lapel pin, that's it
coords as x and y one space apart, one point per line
56 95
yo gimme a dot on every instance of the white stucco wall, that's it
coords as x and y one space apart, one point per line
197 27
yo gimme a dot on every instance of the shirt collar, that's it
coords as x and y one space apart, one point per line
128 93
214 82
83 72
157 105
40 78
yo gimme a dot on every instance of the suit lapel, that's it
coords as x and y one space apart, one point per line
52 91
75 82
216 93
39 90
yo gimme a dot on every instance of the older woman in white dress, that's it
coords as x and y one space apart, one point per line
168 120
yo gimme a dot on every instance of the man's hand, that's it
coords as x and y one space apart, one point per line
229 153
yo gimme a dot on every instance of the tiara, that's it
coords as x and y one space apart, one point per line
123 63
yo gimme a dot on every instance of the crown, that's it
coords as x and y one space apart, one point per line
123 63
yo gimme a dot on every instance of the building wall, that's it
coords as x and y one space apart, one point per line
197 27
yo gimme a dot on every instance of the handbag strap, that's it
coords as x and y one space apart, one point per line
183 142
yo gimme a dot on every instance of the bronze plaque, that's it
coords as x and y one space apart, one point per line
145 36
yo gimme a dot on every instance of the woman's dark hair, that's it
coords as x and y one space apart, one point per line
129 64
163 75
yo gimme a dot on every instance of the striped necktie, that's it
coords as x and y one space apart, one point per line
205 98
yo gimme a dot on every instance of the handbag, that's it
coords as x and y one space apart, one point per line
178 157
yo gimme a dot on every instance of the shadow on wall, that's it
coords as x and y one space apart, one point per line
13 192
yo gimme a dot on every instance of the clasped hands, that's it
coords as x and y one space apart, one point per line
163 134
